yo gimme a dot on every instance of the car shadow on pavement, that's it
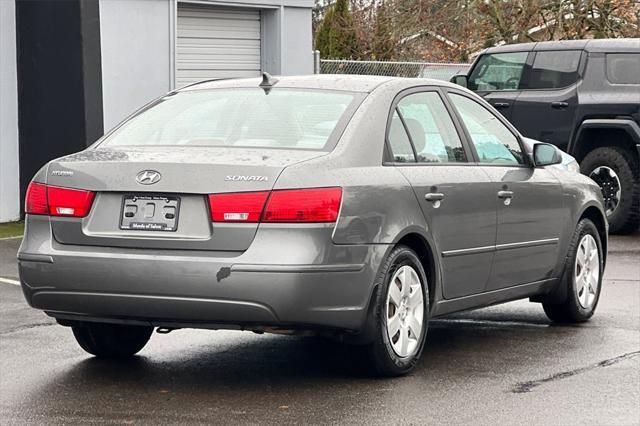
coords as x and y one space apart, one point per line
273 370
287 359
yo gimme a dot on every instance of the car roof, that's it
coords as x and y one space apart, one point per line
344 82
591 45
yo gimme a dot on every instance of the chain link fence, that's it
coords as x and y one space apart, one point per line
439 71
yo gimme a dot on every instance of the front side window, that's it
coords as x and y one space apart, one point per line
554 70
623 68
494 142
283 118
498 71
432 131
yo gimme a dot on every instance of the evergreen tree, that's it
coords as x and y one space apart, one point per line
336 35
383 44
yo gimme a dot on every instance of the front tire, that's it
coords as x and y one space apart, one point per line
617 173
111 340
582 277
401 314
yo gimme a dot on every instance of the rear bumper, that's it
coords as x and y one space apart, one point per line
323 285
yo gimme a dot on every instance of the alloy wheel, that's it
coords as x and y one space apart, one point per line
609 183
405 311
587 271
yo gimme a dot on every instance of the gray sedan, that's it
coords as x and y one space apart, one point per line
347 206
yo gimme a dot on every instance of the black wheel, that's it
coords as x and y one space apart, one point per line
401 314
617 172
582 277
111 340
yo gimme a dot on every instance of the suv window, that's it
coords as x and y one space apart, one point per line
432 131
623 68
493 141
554 70
399 142
499 71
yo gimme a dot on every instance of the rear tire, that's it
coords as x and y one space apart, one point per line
579 277
398 312
626 216
111 340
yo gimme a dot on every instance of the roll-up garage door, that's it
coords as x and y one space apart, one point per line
216 42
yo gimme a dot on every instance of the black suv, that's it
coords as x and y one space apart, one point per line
581 95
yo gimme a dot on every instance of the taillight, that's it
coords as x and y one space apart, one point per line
57 201
303 205
313 205
36 202
69 202
237 207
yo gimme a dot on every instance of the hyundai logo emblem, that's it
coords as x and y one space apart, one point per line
148 177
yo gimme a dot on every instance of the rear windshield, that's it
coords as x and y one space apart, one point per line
282 118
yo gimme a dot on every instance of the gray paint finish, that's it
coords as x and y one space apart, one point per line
301 275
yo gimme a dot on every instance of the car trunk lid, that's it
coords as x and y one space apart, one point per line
158 182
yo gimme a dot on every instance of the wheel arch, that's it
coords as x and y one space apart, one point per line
416 239
597 216
596 133
590 211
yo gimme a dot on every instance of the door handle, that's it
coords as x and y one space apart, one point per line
559 105
505 194
500 105
434 196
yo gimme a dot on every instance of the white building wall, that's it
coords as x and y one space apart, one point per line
137 48
9 169
297 56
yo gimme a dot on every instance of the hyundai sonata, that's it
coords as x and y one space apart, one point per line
350 206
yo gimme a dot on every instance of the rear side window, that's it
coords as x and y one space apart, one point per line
498 71
399 142
283 118
432 131
623 68
493 141
554 70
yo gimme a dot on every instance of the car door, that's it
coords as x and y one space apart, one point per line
547 104
529 200
497 77
455 196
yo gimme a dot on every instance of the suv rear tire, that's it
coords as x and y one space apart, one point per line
111 340
626 216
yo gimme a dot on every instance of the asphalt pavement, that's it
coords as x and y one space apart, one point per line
504 365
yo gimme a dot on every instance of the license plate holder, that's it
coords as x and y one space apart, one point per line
150 213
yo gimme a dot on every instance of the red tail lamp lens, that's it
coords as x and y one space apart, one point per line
69 202
303 205
240 207
36 200
57 201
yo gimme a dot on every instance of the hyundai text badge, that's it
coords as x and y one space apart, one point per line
148 177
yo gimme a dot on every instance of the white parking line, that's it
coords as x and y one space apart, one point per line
10 238
9 281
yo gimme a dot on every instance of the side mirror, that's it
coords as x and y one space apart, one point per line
545 154
459 79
